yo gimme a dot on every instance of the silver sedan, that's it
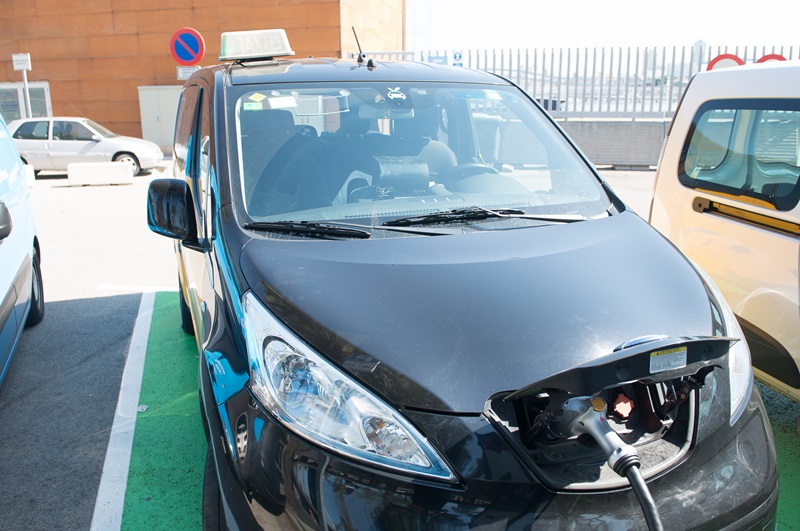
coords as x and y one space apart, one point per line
51 143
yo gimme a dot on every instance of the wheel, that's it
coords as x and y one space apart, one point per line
130 159
186 314
36 313
213 512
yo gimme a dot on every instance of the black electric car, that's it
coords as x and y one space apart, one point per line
418 306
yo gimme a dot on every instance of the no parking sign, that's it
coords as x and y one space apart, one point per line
187 46
727 60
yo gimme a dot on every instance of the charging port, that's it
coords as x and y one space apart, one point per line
657 419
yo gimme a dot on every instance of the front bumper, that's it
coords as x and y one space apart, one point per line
272 479
150 159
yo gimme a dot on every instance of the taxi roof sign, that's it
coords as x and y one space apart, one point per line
255 44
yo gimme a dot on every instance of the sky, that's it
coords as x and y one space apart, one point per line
480 24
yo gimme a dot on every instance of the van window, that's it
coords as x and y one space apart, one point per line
185 128
749 149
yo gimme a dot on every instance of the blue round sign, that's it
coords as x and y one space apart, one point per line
187 46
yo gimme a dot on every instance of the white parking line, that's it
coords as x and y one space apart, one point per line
111 494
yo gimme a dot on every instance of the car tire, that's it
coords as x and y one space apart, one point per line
130 159
213 512
186 313
36 313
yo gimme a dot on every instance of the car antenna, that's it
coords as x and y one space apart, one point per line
361 56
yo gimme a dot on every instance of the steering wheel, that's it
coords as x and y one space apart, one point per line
456 173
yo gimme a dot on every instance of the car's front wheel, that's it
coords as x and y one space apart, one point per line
130 159
36 313
186 314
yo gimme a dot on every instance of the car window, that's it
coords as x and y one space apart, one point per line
348 151
32 131
204 164
68 130
748 149
185 128
101 130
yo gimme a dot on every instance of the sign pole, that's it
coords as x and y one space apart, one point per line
27 94
22 61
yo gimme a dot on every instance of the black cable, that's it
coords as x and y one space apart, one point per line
645 498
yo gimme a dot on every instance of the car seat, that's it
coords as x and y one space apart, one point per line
262 134
418 137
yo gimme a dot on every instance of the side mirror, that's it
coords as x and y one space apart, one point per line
170 212
95 138
5 221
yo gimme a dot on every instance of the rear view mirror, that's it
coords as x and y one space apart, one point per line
5 221
383 110
170 212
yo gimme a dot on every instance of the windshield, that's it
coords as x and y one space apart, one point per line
104 131
379 151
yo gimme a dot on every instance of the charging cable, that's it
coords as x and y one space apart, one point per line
585 414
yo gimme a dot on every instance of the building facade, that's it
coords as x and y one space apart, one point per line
89 57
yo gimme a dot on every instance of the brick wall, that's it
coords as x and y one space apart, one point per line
95 53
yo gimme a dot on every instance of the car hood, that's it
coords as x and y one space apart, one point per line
130 142
442 323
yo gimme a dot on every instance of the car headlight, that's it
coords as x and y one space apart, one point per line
319 402
740 368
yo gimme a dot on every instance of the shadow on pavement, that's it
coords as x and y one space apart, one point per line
57 406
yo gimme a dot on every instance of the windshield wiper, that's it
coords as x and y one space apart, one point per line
478 213
350 230
308 228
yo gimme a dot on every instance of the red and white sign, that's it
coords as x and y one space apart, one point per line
771 57
725 60
187 47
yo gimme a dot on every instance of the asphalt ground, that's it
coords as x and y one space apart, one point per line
58 402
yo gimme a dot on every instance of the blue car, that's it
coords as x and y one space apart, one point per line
21 290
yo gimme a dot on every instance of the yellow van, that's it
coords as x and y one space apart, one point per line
727 195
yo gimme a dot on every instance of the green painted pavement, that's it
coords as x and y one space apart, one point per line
784 415
166 471
165 481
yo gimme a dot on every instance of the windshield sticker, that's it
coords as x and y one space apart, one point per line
258 101
493 95
282 102
667 360
395 94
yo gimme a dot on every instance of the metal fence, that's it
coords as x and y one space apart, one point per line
598 82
